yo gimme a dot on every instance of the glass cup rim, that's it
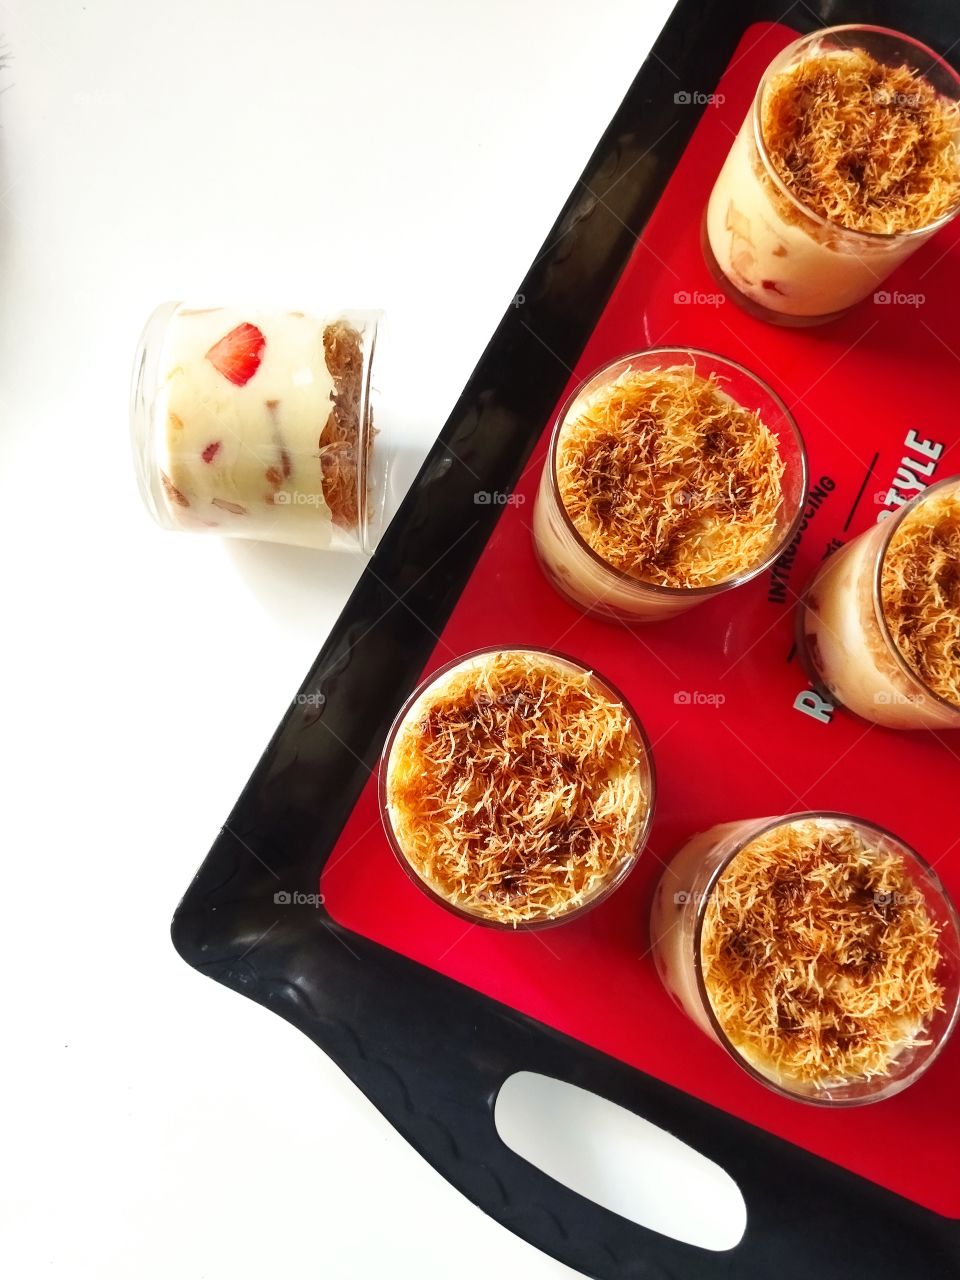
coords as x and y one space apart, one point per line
629 863
778 63
713 588
760 827
141 418
893 523
370 514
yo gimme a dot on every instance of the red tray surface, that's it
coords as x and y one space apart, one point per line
857 387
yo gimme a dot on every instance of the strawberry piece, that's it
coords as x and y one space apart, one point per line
211 451
237 355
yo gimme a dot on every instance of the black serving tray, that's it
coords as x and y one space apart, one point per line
429 1053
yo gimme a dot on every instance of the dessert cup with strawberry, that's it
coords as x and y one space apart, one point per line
847 162
259 424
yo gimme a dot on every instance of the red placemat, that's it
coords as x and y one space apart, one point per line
718 688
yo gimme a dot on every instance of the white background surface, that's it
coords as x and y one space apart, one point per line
410 157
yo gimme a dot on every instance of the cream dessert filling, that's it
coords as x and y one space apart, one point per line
673 919
818 955
516 788
257 427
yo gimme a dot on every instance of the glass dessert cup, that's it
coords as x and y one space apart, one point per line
582 575
781 260
258 424
682 917
844 638
517 788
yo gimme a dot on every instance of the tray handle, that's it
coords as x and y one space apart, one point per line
433 1055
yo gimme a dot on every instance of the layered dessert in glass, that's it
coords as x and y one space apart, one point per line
517 788
878 628
848 161
258 424
818 949
672 474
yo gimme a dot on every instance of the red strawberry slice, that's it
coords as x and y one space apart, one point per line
237 355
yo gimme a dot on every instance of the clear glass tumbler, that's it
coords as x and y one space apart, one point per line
779 259
587 580
487 706
680 907
255 423
844 639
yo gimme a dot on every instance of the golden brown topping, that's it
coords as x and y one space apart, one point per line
867 146
516 788
920 592
669 480
819 956
343 468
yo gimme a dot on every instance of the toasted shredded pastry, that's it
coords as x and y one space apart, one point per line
343 468
819 955
517 787
669 480
867 146
920 592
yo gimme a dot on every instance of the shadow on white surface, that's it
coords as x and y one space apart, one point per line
407 460
620 1161
295 585
285 580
